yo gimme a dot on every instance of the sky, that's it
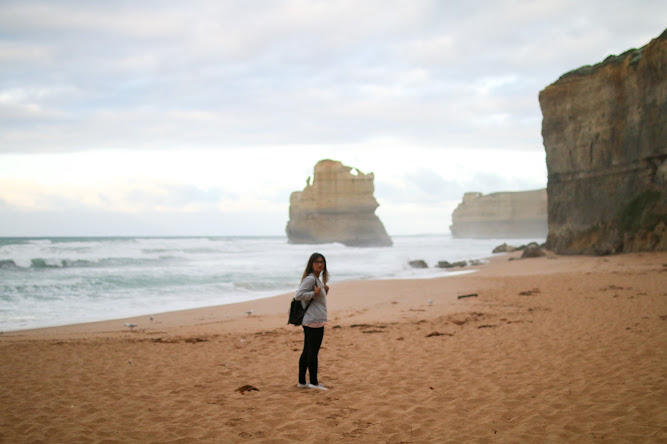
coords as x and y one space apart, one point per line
156 118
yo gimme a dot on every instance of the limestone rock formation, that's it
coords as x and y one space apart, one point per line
338 206
604 129
418 263
520 214
532 250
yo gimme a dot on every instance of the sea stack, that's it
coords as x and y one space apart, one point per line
519 214
604 129
338 206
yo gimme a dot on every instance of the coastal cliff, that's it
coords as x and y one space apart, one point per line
521 214
338 206
604 129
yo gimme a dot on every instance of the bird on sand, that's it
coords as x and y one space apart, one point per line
129 324
249 312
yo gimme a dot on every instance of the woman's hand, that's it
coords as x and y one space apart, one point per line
317 290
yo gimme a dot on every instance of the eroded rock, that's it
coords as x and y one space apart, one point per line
338 206
420 263
605 134
504 248
532 250
520 214
447 264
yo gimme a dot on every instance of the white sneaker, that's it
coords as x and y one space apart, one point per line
303 386
318 386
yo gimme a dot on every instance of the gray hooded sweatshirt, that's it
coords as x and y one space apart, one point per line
317 311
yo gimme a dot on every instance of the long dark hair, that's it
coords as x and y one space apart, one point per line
309 268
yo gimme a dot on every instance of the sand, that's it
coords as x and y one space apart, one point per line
554 349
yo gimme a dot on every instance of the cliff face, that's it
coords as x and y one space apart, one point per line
520 214
605 133
338 207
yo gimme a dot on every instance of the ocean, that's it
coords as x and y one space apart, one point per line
58 281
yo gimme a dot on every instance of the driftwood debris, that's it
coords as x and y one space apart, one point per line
437 333
471 295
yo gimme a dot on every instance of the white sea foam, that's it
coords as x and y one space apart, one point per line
57 281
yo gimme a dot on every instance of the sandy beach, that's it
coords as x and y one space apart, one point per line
553 349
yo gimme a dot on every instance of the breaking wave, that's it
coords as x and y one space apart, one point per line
55 281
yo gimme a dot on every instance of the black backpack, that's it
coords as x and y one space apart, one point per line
297 312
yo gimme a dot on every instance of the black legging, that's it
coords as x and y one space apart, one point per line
312 340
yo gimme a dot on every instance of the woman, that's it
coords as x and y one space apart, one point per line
313 290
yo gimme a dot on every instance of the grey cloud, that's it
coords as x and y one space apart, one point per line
432 184
419 192
178 196
491 183
183 195
83 222
167 74
426 186
56 202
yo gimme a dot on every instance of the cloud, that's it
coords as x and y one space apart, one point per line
425 186
178 197
162 75
87 222
207 107
130 197
421 186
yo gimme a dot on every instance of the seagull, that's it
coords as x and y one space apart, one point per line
249 312
430 302
151 317
128 324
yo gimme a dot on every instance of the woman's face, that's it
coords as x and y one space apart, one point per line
318 265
